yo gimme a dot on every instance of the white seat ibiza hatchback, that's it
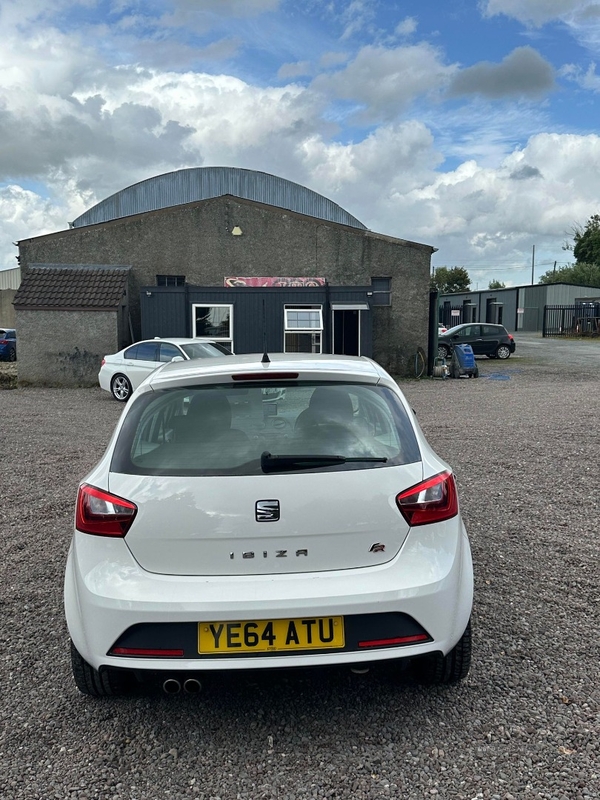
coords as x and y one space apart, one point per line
225 531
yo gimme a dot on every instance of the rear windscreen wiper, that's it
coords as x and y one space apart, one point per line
270 463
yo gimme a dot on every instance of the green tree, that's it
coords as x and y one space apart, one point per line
496 285
586 249
579 273
587 242
450 280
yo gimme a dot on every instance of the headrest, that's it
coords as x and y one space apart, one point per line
331 403
210 410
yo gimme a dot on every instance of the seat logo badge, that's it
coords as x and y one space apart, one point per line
377 548
267 510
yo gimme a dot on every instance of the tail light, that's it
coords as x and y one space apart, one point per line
103 362
3 341
433 500
511 337
102 513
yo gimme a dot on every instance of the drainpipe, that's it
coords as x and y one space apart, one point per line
433 331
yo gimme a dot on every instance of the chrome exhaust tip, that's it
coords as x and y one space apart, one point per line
192 686
359 670
171 686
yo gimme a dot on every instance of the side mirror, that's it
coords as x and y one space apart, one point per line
177 358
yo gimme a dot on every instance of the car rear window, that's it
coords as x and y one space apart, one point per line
205 350
225 429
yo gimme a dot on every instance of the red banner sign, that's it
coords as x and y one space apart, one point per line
274 281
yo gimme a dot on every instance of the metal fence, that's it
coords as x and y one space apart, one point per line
449 317
582 319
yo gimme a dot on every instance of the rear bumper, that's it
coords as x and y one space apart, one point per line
106 593
104 378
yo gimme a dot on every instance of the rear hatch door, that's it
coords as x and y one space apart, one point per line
266 524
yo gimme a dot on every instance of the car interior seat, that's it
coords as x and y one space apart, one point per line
208 420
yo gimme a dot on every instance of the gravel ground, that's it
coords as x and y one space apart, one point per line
523 725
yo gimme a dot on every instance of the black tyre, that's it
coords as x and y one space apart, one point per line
107 683
475 372
121 388
503 351
12 354
443 351
437 670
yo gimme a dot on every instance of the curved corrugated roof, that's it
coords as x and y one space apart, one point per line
202 183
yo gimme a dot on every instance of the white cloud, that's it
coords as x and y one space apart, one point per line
356 16
534 12
407 27
479 215
22 212
589 80
385 81
328 60
299 69
366 174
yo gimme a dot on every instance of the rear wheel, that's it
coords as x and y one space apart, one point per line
12 354
437 669
107 683
503 351
443 351
120 387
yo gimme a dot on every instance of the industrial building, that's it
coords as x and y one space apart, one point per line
518 308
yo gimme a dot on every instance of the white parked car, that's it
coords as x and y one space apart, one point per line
123 372
223 531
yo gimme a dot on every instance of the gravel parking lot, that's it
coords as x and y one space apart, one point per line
523 442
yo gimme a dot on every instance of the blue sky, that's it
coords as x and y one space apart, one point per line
471 125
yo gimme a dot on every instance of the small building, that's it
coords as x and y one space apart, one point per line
68 318
244 257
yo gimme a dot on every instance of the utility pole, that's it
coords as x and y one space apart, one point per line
532 264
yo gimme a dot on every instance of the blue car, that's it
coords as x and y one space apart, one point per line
8 344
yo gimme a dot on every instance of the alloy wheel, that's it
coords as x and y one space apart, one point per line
121 388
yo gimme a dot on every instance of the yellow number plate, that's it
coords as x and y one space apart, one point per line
270 635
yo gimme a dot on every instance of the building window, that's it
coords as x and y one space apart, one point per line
170 280
213 323
381 289
303 329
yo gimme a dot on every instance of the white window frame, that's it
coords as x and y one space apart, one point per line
224 339
293 329
314 331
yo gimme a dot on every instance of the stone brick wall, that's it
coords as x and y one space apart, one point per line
64 348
